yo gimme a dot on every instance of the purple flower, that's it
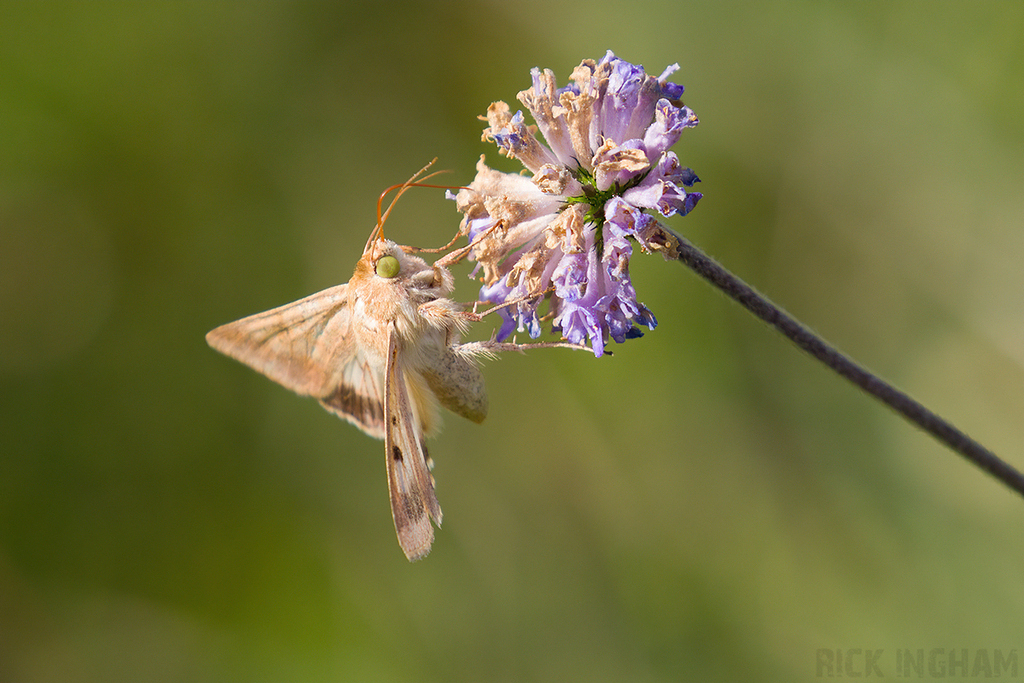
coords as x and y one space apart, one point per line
565 236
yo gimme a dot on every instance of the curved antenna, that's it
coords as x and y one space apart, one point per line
378 230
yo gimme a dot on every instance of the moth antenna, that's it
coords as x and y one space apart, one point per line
378 230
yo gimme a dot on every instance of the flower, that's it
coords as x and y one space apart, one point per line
566 234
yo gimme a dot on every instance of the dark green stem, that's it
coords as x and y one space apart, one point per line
678 248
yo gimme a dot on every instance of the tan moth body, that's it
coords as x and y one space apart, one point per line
381 351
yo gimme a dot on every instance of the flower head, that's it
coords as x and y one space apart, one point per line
566 235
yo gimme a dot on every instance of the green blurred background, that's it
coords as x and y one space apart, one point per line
707 504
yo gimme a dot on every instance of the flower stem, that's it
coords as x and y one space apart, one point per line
675 247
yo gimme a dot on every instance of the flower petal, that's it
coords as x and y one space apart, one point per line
565 236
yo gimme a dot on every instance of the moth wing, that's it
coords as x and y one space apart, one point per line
458 384
410 485
358 395
301 345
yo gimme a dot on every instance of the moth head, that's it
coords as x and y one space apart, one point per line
387 263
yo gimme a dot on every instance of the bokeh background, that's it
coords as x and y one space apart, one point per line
708 504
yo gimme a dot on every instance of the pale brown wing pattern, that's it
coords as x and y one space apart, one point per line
303 345
359 396
411 488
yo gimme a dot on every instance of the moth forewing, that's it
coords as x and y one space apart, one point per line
410 485
302 345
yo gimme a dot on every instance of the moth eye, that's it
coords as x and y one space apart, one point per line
388 267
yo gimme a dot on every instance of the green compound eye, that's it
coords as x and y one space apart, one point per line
387 267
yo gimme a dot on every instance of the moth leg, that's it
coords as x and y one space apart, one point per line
492 347
447 259
454 257
510 302
446 313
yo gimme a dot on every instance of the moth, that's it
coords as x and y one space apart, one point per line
382 351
